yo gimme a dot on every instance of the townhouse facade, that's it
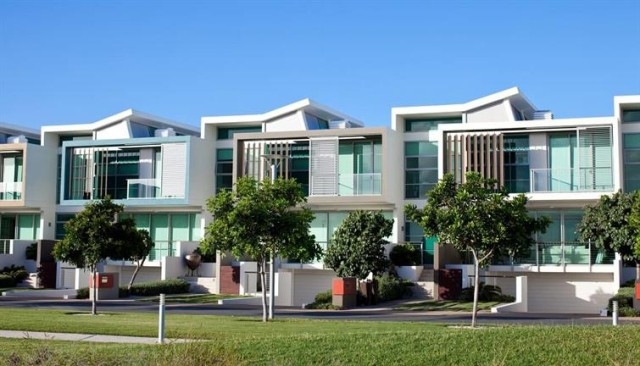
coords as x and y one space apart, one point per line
163 172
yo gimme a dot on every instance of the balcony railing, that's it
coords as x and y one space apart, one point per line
10 191
563 253
143 188
360 184
572 180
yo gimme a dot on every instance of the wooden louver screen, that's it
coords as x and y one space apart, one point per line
477 152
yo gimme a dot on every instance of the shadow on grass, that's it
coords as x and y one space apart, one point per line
447 305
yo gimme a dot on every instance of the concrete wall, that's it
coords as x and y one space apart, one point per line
300 286
17 256
146 274
172 267
522 299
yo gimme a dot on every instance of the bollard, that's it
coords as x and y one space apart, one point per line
614 314
161 320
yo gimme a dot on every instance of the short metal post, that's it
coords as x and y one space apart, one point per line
161 320
614 315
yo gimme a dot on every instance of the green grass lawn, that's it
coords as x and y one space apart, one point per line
247 341
191 298
444 305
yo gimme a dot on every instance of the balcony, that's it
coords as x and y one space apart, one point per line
563 253
364 184
146 189
10 191
571 180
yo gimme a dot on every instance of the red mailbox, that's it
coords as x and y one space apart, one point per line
105 280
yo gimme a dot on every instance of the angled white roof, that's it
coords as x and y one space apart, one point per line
130 114
15 130
513 94
306 105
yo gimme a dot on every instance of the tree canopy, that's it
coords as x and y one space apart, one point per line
611 224
357 246
479 217
94 235
260 220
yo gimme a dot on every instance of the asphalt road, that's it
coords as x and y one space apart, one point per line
360 314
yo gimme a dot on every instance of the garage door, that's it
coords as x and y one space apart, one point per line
575 293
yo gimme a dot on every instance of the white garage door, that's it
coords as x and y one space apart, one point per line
575 293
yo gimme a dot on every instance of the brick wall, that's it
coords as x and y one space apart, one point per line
229 280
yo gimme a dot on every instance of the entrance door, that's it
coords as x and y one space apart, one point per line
429 249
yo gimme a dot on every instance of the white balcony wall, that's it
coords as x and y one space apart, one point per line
40 185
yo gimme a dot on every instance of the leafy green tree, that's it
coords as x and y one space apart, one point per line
357 246
261 220
90 238
131 244
479 217
613 223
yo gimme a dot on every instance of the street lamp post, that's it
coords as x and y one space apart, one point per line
272 160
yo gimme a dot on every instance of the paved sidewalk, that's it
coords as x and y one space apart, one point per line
85 337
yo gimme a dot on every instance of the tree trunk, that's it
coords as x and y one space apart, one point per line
139 265
263 281
94 303
476 287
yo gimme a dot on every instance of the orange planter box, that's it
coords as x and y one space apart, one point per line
344 286
637 290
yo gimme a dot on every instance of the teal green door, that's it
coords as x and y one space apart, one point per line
429 249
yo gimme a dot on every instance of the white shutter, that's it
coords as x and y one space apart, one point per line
174 170
594 150
324 167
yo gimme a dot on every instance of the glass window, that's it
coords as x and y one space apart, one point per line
631 161
226 133
224 169
516 163
631 115
421 168
428 124
316 123
140 130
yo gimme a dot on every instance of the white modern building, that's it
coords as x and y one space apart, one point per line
163 172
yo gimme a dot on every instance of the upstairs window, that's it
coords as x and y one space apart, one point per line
631 115
226 133
428 124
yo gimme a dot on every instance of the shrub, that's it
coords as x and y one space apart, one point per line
630 283
323 300
404 255
160 287
391 287
18 273
7 281
485 293
167 287
82 293
624 297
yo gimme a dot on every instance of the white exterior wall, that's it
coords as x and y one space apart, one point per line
40 186
307 284
118 130
201 171
493 113
577 293
291 122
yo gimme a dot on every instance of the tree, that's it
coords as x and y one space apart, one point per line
610 224
357 246
261 220
479 217
131 244
90 237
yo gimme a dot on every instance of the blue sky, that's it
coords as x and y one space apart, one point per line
80 61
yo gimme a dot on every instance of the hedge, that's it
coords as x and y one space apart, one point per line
7 281
146 289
